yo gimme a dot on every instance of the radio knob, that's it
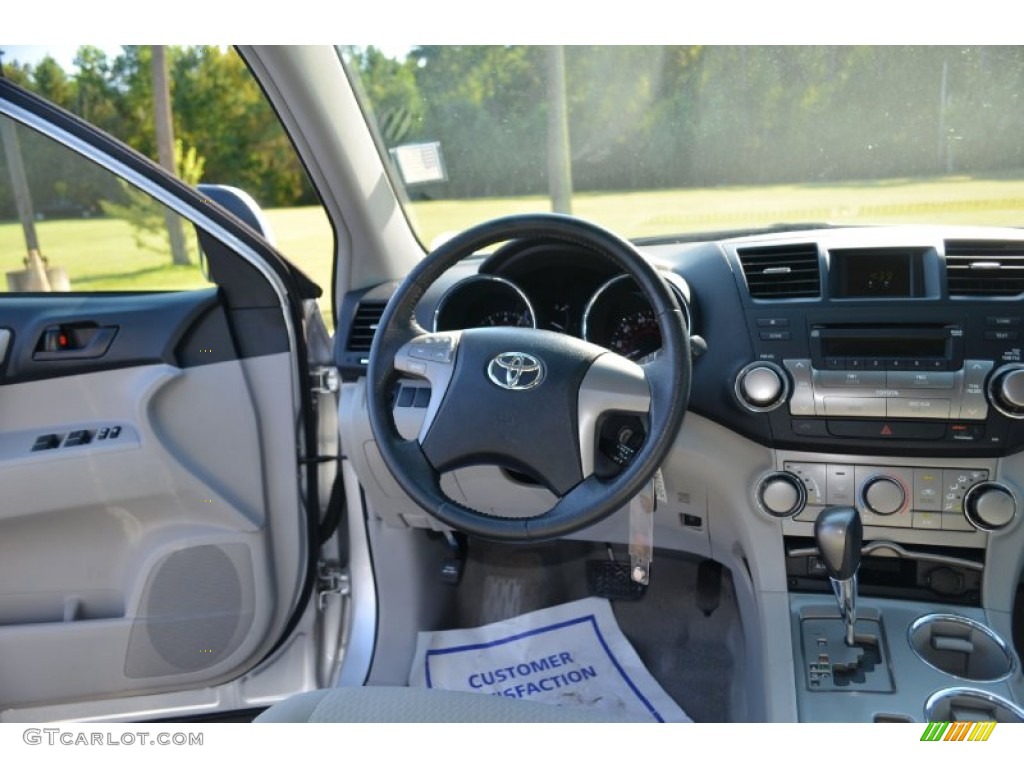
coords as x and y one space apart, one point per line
1007 390
990 506
761 387
782 494
884 496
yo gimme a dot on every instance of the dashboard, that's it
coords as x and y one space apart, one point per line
881 367
875 340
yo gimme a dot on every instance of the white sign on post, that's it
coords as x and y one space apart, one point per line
569 655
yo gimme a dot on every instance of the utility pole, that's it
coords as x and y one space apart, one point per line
165 146
34 276
559 160
945 147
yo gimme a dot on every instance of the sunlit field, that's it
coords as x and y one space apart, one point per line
102 254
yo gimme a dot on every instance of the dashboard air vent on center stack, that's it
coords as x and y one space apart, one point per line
782 271
985 267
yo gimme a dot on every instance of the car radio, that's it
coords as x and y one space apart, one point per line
888 373
929 384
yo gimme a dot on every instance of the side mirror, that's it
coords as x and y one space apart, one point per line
241 205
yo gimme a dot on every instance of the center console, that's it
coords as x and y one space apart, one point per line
891 397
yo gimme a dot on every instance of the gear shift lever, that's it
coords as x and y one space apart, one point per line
839 533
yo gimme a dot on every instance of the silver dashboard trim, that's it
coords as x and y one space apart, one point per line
678 286
988 696
461 284
975 625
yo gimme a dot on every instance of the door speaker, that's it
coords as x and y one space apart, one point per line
196 608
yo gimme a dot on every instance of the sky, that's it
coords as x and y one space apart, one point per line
399 24
32 54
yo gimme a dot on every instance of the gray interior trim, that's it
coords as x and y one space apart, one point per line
612 383
437 370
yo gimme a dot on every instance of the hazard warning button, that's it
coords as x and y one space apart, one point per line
886 430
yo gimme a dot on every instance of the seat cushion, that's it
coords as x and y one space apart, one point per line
381 704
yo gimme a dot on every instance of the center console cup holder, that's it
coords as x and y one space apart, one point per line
961 647
970 705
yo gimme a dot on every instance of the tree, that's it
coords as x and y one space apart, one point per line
51 82
165 145
392 93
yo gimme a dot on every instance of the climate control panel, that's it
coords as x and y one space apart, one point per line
928 498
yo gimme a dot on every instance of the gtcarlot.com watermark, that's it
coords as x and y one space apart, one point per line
71 738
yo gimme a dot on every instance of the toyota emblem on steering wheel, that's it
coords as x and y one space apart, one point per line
516 370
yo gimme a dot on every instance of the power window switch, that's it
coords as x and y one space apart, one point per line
115 432
102 434
47 442
78 437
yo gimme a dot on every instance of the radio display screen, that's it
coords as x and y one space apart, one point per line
861 274
884 346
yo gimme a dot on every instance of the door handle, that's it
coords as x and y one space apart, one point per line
74 342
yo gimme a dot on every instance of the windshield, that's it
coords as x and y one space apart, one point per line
661 141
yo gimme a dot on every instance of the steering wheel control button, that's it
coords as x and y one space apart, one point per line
761 387
990 506
419 351
516 371
781 494
438 349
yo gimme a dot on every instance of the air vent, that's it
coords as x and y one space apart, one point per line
985 267
364 325
782 272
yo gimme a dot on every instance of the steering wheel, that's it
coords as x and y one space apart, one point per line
522 398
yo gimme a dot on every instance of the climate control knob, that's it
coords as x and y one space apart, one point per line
1006 390
883 495
761 387
781 494
990 506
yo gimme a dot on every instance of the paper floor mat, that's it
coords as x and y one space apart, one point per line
570 655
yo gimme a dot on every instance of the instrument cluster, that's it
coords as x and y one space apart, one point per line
563 291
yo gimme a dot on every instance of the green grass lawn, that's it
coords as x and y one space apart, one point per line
102 254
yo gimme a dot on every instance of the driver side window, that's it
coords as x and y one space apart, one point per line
67 224
223 131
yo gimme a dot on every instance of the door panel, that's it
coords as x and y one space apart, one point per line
153 532
149 542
